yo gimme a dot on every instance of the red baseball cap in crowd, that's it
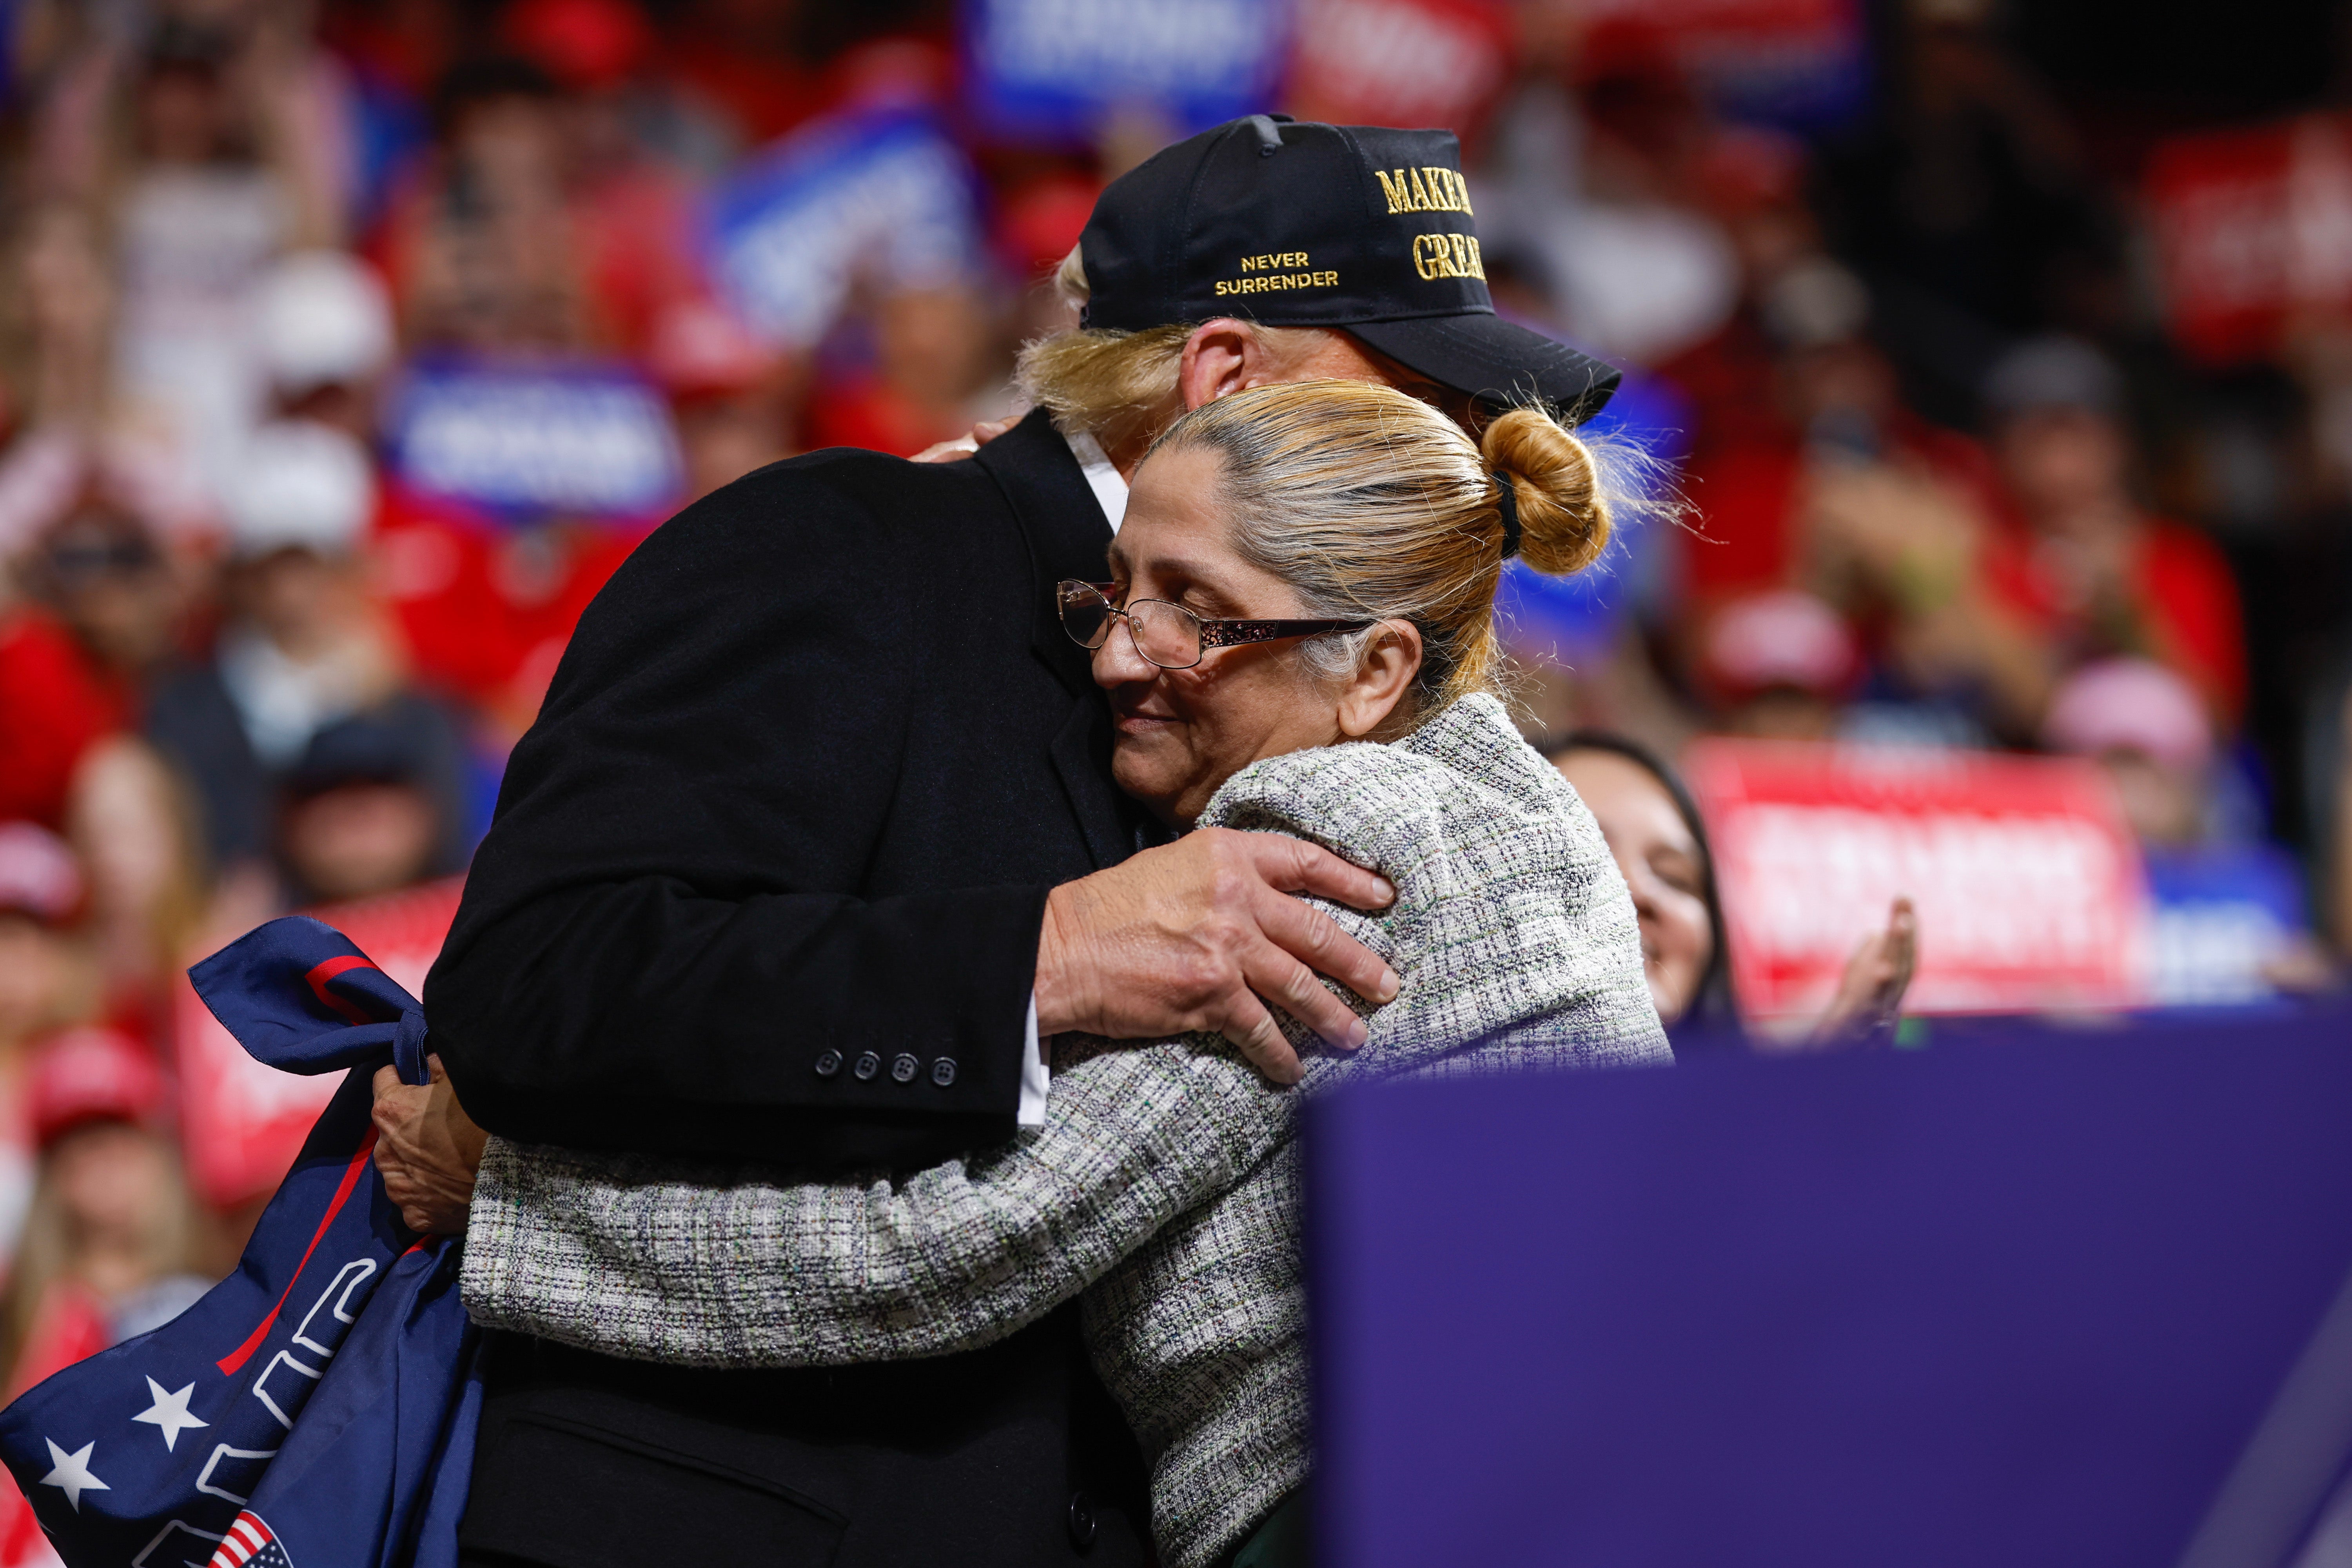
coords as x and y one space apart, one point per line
92 1074
585 44
1296 224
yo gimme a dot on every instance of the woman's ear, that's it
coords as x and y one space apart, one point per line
1382 678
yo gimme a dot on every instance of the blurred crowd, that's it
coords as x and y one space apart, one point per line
347 346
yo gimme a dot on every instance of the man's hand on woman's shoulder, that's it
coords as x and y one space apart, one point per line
984 432
1200 934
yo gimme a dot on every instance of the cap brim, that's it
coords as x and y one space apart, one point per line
1496 362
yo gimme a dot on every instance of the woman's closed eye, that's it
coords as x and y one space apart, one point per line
1679 872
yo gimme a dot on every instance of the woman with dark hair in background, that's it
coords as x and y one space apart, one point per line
1653 831
1655 834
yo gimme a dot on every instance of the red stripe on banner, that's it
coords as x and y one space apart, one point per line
237 1547
322 974
237 1358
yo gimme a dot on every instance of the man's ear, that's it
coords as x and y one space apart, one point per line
1221 357
1381 680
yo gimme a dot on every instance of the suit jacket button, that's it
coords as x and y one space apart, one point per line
868 1065
828 1064
1082 1521
903 1067
943 1071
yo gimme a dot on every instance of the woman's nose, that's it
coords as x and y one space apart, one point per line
1117 662
1645 889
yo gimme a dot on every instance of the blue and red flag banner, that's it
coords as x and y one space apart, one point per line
326 1390
881 195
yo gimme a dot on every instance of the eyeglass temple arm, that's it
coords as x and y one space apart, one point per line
1230 633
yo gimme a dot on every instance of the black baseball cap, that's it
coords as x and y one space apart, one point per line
1296 224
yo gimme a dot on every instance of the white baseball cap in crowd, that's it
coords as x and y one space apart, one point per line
300 485
37 873
322 317
2130 705
1780 640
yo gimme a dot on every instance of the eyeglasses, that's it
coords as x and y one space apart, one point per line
1170 635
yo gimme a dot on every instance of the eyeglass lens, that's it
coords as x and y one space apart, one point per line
1166 635
1086 615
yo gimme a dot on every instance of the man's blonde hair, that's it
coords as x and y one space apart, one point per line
1120 387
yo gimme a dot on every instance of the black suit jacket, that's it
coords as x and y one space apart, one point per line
803 779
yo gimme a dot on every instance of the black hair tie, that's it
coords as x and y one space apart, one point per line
1510 509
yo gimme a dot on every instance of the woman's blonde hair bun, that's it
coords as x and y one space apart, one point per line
1374 506
1563 506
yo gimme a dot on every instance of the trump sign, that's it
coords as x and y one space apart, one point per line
2028 885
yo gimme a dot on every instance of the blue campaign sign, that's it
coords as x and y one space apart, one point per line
2056 1300
883 193
534 438
2217 916
1057 69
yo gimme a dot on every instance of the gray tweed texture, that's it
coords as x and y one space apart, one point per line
1163 1189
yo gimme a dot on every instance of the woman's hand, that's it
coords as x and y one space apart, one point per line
1870 995
428 1149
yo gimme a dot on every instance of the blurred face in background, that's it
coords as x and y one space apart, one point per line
109 582
2061 462
42 975
724 437
2164 802
1663 867
63 274
361 839
933 343
113 1180
512 147
185 115
296 597
1847 381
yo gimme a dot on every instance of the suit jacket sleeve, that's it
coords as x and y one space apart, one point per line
656 951
648 1260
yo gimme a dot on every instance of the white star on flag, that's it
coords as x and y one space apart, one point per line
72 1475
170 1411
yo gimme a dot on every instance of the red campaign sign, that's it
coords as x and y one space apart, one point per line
1399 62
2253 228
242 1123
2026 880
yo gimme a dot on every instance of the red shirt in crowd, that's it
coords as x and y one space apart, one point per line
55 704
2181 603
486 611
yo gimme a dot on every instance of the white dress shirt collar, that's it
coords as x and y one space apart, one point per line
1110 491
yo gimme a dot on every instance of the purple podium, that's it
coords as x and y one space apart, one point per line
2034 1299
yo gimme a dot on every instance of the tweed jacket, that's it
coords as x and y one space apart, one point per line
1163 1188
